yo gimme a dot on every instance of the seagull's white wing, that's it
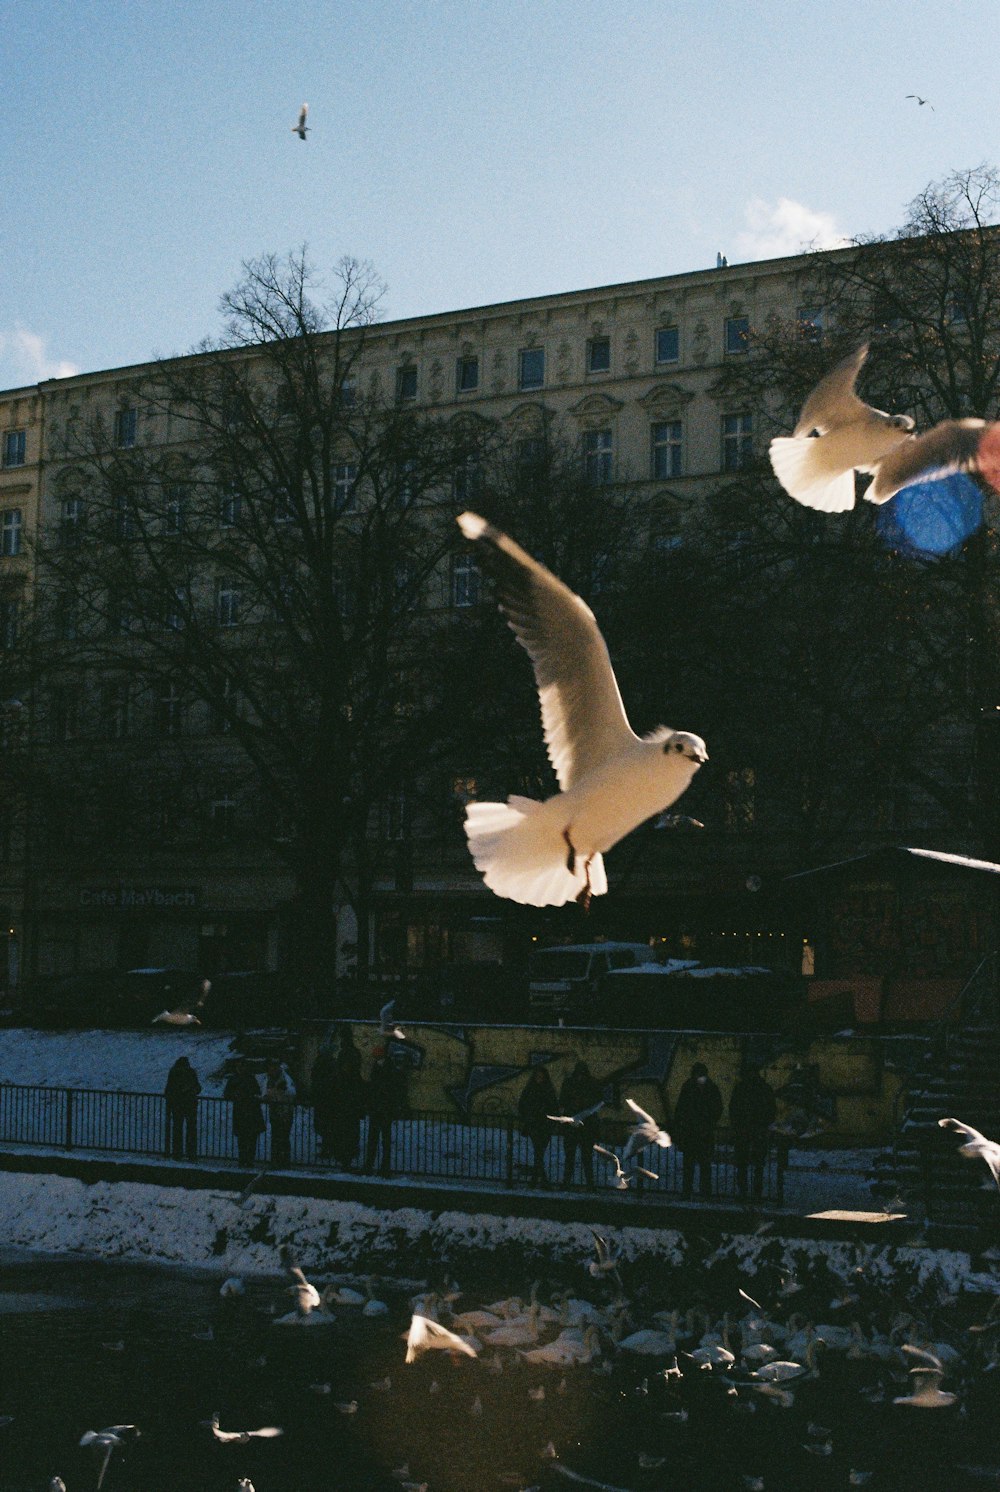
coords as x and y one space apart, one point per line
951 446
583 717
833 401
646 1118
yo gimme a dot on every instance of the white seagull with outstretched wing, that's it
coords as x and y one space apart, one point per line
545 854
300 127
837 434
976 1146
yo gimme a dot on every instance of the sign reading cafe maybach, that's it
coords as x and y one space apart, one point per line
140 898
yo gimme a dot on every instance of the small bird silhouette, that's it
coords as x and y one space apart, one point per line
300 127
611 780
838 434
921 101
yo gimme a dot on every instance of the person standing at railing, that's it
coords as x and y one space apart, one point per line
580 1091
243 1092
279 1095
698 1111
537 1101
385 1103
181 1093
349 1101
751 1114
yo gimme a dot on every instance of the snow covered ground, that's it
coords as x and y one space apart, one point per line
130 1061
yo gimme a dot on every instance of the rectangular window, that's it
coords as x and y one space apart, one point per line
466 375
668 344
64 715
530 455
227 602
345 475
737 440
740 809
598 354
10 532
170 711
395 816
597 457
348 392
71 522
116 710
406 384
737 334
222 816
464 580
125 520
226 707
14 447
9 620
174 610
531 368
230 507
174 510
809 322
667 449
468 480
126 426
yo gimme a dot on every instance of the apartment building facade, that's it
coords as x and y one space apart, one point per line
626 375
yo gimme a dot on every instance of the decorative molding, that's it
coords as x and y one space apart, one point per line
498 381
630 360
593 405
665 396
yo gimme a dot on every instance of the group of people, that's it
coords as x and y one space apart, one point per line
697 1115
253 1110
341 1096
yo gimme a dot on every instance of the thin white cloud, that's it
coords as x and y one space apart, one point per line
24 358
785 227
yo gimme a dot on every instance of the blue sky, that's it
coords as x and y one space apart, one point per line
473 150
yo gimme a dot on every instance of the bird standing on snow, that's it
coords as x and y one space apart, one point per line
817 469
300 127
545 854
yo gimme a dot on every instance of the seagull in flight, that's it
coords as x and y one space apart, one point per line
307 1297
623 1177
838 434
240 1437
577 1120
386 1026
300 127
426 1335
106 1441
921 101
644 1132
977 1146
176 1018
611 780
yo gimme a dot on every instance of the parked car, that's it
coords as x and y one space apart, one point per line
563 981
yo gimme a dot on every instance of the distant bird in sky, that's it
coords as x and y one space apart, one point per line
611 780
838 434
922 101
300 127
977 1146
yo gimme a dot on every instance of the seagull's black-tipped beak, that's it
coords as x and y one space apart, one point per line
697 756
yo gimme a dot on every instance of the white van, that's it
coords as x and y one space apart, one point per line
562 981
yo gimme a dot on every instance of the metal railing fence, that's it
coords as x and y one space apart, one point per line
481 1148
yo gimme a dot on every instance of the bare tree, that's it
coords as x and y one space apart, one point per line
262 579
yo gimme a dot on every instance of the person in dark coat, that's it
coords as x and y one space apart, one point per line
243 1091
538 1100
698 1111
751 1113
350 1101
181 1092
323 1091
580 1091
384 1104
279 1095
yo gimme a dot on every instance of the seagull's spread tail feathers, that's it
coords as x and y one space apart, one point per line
798 463
522 855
